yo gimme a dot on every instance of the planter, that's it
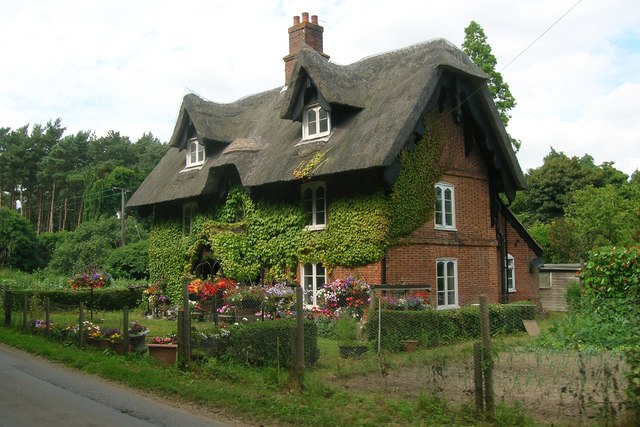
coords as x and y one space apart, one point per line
120 347
410 345
352 350
163 353
138 344
99 343
247 313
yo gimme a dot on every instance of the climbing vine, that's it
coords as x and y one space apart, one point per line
251 239
307 169
413 195
167 251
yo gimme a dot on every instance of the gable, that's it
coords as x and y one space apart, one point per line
376 105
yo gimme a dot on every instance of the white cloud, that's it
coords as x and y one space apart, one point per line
125 65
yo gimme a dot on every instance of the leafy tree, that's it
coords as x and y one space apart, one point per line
475 45
552 184
92 243
18 244
129 261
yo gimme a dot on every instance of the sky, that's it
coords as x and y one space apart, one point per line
124 65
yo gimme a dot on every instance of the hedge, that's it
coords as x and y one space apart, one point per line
102 299
269 343
438 327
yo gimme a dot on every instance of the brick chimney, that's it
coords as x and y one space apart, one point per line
303 33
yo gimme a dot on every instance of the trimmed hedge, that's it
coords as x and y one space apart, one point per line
269 343
102 299
438 327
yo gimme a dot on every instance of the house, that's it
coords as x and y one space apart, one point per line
410 140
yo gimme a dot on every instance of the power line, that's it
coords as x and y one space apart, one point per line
541 35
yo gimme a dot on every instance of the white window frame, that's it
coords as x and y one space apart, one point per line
188 212
317 110
317 206
445 292
195 153
313 280
446 207
511 273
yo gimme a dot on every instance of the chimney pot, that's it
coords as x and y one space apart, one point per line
314 19
305 16
296 20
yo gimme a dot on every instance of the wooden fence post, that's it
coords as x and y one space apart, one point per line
184 329
25 311
81 325
125 321
8 306
297 370
487 358
47 314
477 377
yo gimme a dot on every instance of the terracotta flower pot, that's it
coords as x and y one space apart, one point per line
120 347
99 343
164 353
410 345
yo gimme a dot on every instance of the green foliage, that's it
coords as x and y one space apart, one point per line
269 343
612 274
413 196
604 216
49 242
91 243
475 45
438 327
167 251
573 296
357 232
18 244
129 261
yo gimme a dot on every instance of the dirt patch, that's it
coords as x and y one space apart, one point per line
553 388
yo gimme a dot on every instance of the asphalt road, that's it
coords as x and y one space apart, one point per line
35 392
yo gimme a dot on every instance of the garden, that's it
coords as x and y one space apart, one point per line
580 369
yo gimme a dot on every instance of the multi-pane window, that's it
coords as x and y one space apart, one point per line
511 278
316 122
188 212
195 153
447 282
313 279
445 207
314 201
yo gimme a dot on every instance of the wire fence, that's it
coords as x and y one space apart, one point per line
399 345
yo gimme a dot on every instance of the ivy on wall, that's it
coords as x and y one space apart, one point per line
413 195
167 250
252 239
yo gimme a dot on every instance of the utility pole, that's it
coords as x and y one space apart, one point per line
122 216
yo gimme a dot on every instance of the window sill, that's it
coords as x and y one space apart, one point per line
511 291
442 228
323 138
447 307
192 168
315 227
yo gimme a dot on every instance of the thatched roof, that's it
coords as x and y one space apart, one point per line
382 99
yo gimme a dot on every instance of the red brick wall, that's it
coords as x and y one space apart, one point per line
473 244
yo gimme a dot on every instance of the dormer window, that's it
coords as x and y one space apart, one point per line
316 122
195 153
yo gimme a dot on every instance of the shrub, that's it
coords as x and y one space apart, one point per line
18 244
438 327
129 261
269 343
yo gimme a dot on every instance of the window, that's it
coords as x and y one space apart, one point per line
314 201
195 153
316 122
313 278
511 277
188 212
445 207
447 282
